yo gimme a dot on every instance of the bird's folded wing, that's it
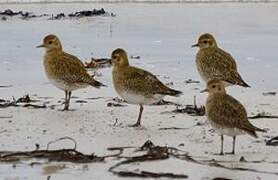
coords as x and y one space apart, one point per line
73 70
229 112
219 63
141 80
235 78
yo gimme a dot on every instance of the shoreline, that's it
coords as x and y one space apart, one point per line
145 2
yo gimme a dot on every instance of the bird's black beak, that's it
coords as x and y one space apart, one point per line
205 90
195 45
40 46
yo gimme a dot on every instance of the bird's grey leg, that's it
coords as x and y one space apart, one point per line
66 107
69 96
234 145
138 123
222 144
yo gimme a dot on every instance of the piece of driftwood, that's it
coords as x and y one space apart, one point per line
118 100
149 153
23 15
173 128
190 81
112 104
6 117
263 115
79 14
88 13
98 63
58 16
81 101
156 153
5 104
24 101
134 57
163 102
6 86
269 93
148 174
153 153
192 110
66 155
272 142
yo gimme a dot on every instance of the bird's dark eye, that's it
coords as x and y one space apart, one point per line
205 41
213 86
50 42
114 56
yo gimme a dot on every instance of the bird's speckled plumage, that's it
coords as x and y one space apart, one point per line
67 71
64 70
214 63
135 85
225 114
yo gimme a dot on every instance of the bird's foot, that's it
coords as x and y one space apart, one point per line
66 108
135 125
219 154
230 153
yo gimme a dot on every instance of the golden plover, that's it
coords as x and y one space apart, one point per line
64 70
226 115
214 63
137 86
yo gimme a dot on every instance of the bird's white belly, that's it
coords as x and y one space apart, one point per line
222 130
134 98
66 86
207 78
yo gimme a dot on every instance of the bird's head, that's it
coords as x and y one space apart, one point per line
206 41
215 86
119 58
51 42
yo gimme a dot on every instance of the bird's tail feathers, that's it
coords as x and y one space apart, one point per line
97 84
172 92
239 81
253 131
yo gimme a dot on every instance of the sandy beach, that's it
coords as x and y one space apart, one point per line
162 35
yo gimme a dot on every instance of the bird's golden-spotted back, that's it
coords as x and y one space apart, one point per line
65 67
214 63
227 112
138 81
